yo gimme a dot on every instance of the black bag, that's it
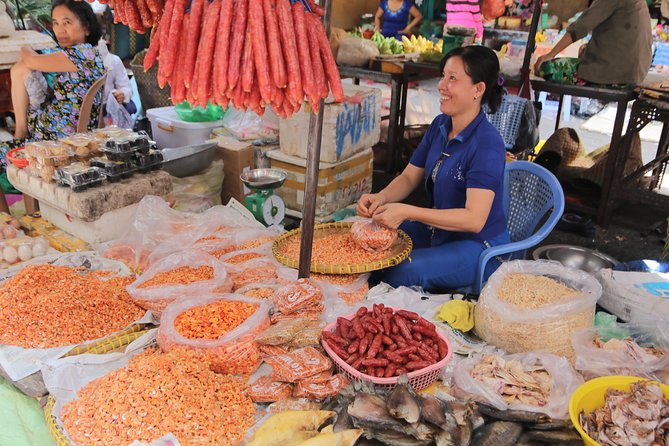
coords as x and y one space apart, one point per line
528 133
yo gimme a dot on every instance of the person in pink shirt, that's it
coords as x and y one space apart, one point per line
466 13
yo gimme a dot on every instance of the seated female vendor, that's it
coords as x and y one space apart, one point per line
395 15
460 162
46 110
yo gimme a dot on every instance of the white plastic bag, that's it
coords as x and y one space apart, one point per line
546 328
356 52
338 288
565 382
234 352
593 361
247 125
119 115
156 298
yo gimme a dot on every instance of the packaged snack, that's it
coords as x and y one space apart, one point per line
283 332
113 170
265 390
124 148
292 404
319 390
145 162
308 335
84 145
300 295
373 236
271 350
44 157
79 177
299 364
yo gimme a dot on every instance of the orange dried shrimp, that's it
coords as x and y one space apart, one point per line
260 293
160 393
372 236
250 244
182 275
244 257
46 306
213 320
344 280
333 249
265 273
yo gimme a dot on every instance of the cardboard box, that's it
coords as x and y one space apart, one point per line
238 157
348 127
339 184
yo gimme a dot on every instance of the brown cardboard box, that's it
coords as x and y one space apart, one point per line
238 156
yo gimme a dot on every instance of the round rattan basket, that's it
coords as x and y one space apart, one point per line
398 252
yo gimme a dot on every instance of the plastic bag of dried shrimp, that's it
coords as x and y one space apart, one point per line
256 270
180 275
638 348
351 288
222 326
372 236
536 306
535 382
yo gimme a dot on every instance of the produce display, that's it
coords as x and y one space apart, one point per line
387 45
160 393
385 343
422 45
46 306
635 417
247 53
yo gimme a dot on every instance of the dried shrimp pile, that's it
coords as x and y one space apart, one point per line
160 393
181 276
513 381
639 417
213 320
46 306
333 249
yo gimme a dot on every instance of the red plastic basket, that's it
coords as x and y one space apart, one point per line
21 163
419 379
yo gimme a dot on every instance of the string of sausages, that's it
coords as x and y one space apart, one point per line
247 53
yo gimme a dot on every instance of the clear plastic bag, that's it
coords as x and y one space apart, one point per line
299 295
623 357
282 332
156 298
372 236
545 328
351 288
119 115
247 125
298 365
564 377
235 352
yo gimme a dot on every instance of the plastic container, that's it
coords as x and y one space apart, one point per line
79 177
114 170
170 131
419 379
44 157
123 149
149 161
84 145
590 396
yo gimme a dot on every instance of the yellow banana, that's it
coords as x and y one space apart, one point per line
343 438
281 428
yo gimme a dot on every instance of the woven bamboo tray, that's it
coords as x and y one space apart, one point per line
398 252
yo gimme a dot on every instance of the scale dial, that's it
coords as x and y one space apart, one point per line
273 210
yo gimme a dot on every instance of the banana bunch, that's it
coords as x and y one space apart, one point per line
421 45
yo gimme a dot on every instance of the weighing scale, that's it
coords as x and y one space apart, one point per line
267 208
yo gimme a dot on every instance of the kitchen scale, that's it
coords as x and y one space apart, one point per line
267 208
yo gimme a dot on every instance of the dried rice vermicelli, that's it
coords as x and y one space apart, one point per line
531 291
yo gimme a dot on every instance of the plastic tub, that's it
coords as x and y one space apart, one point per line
170 131
419 379
590 396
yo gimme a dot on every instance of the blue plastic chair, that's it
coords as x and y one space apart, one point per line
531 192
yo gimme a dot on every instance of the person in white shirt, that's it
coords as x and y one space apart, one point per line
118 82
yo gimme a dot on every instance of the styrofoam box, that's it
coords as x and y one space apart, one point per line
339 184
627 294
108 227
170 131
348 127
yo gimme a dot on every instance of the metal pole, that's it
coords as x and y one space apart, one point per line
311 181
529 50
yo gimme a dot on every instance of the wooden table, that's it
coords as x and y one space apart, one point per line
621 98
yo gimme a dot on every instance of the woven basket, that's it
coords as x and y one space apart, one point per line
151 95
566 142
398 252
598 171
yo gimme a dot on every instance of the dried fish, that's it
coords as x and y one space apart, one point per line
498 433
343 421
369 411
402 402
436 412
394 438
519 416
635 418
551 437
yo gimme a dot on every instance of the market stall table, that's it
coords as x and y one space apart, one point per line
621 98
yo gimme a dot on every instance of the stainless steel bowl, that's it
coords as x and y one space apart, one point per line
577 257
259 179
189 160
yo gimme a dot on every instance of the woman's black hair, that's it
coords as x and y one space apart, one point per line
481 65
86 16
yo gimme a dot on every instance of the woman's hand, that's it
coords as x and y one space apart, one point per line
369 203
26 51
391 215
540 61
120 97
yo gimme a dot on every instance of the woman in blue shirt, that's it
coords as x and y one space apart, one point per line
461 162
395 15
